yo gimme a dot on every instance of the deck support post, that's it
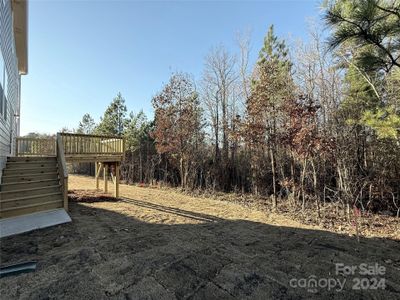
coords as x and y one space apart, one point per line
105 174
116 181
98 171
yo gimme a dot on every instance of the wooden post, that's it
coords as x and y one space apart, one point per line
98 171
96 168
96 174
105 174
116 183
65 194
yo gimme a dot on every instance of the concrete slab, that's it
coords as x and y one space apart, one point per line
25 223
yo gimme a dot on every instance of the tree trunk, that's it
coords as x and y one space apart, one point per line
316 192
303 175
272 157
182 172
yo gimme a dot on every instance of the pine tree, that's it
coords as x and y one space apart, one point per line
359 96
372 26
86 125
274 50
272 85
137 130
114 120
139 146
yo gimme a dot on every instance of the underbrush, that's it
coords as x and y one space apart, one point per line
333 216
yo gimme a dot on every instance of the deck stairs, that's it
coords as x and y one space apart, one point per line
30 185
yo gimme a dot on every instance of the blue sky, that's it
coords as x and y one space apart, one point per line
82 53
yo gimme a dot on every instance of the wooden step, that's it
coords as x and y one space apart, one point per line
30 158
30 165
29 192
28 209
23 171
30 200
29 184
29 177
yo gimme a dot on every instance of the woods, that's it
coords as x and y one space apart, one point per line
311 122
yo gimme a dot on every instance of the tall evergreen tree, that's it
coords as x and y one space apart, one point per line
114 119
274 50
86 125
272 86
137 130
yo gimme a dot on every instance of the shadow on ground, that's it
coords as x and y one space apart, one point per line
107 255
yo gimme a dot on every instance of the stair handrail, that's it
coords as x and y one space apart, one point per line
62 166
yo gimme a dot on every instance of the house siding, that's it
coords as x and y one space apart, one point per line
10 80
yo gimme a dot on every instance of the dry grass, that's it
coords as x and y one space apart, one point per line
174 199
162 244
230 207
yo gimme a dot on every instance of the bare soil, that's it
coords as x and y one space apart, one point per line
161 244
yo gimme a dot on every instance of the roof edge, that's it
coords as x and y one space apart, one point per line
20 12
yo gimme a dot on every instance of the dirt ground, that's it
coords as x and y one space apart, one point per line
160 244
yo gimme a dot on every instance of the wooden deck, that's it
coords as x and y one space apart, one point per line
46 160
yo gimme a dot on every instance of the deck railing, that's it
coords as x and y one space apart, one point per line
35 146
85 144
74 145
